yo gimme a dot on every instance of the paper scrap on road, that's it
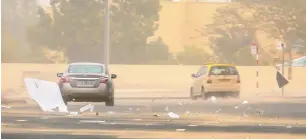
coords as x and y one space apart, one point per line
137 119
187 113
110 112
289 126
5 106
191 125
213 99
21 120
87 107
166 109
180 130
180 103
173 115
73 113
47 94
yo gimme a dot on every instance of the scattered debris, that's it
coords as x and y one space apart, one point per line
73 113
288 126
260 124
130 109
5 106
260 111
244 102
218 110
137 109
236 107
21 120
213 99
87 107
110 112
192 125
180 130
173 115
187 113
137 119
156 115
97 113
180 103
166 109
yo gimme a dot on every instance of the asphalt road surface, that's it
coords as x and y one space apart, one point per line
148 118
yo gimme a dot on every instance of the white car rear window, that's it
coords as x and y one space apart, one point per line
85 69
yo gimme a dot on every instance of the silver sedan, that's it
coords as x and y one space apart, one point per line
87 82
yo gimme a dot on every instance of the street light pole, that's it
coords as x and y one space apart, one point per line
106 33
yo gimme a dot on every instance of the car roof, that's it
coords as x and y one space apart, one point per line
86 63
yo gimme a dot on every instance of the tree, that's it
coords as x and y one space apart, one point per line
76 27
193 55
280 19
157 50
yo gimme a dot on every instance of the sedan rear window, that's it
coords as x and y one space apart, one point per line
85 69
223 70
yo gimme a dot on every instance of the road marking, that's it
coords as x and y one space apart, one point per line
91 121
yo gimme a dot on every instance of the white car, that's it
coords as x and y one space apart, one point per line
215 80
87 82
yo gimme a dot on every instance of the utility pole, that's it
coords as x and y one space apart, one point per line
106 33
283 63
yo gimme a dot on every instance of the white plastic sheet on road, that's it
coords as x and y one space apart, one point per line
47 94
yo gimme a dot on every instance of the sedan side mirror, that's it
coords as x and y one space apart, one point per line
113 76
193 75
59 74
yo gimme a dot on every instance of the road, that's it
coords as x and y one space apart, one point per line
260 117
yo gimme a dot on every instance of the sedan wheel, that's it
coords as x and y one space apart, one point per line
192 96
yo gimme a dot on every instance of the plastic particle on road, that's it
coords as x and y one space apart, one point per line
180 130
21 120
213 99
180 103
173 115
191 125
288 126
5 106
87 107
166 109
73 113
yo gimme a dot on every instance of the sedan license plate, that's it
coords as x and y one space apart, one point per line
85 83
224 80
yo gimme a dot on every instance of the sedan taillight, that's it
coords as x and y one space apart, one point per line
104 80
238 79
209 81
64 80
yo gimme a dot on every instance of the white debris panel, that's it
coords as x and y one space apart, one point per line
47 94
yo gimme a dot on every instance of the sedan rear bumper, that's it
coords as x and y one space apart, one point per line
101 90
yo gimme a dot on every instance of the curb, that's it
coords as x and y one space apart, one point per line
149 98
13 101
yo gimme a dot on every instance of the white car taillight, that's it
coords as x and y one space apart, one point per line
64 79
104 80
